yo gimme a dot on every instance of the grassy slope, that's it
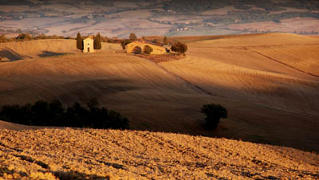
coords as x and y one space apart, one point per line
145 155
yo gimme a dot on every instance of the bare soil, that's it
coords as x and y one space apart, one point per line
95 154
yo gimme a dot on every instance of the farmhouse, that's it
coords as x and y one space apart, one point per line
88 45
156 49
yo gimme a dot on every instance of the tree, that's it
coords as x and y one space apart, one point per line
24 36
179 47
97 41
132 37
137 50
213 114
165 40
125 42
79 41
148 49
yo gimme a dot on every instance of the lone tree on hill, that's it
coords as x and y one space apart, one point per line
165 40
179 47
213 114
132 37
137 50
97 41
125 42
79 41
148 49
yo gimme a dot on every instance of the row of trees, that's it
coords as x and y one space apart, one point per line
27 37
53 113
97 41
177 46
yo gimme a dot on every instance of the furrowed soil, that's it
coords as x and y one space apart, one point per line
93 154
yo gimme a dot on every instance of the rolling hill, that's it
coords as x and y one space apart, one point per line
94 154
169 17
268 82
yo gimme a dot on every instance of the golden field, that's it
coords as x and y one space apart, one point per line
93 154
268 82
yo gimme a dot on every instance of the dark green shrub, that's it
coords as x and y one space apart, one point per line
213 114
137 50
179 47
148 49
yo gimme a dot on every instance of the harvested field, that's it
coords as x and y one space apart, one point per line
75 153
268 83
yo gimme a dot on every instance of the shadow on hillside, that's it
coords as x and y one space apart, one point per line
9 55
85 90
253 121
50 54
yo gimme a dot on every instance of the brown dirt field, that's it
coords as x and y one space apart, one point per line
263 80
79 153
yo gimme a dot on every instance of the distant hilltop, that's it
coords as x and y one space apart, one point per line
169 17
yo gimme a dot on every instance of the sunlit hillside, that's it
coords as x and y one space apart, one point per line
88 153
268 82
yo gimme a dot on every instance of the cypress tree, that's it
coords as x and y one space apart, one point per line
133 37
165 40
79 41
97 41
